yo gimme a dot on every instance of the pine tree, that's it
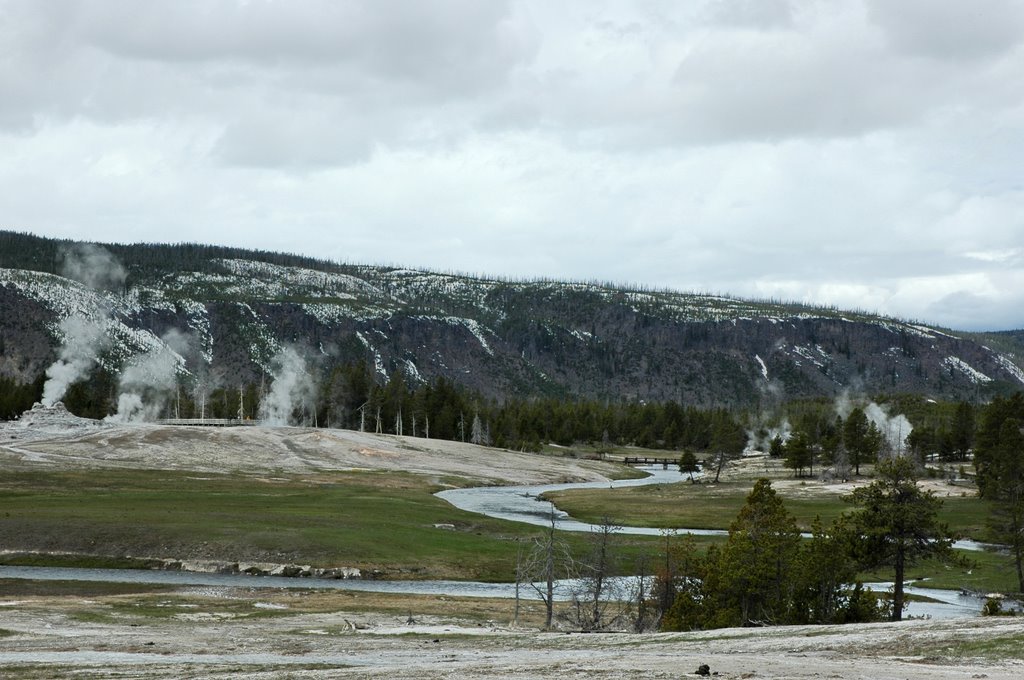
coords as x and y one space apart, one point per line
999 459
751 582
896 524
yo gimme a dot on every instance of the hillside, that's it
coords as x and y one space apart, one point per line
225 313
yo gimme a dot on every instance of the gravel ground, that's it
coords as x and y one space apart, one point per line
64 637
54 437
266 635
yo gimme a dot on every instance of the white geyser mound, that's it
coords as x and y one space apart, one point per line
84 339
292 387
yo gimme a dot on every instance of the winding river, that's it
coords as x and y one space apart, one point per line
524 504
513 503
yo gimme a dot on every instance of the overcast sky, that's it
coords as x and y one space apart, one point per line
865 153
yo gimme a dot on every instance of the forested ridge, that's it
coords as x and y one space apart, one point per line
535 360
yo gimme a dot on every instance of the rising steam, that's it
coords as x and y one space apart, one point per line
895 429
147 383
770 421
292 388
84 339
94 266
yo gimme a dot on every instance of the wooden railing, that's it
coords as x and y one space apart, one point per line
649 460
208 422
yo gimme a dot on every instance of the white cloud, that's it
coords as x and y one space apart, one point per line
864 154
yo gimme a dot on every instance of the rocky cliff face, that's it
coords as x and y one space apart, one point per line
226 317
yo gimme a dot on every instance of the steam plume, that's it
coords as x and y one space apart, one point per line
895 429
94 266
771 421
292 387
84 339
147 383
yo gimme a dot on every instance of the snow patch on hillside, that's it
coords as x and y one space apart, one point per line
816 355
473 327
1010 367
378 361
764 369
975 376
582 336
412 372
283 281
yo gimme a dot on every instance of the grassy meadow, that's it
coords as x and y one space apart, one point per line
376 521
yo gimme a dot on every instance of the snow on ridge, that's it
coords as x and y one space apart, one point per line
931 332
472 325
341 285
475 328
582 336
805 352
1010 367
764 369
66 297
378 361
412 372
920 331
975 376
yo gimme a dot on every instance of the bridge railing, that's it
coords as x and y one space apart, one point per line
208 422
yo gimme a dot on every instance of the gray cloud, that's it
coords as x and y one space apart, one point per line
751 13
950 31
862 153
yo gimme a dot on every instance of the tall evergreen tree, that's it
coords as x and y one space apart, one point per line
897 524
999 459
751 581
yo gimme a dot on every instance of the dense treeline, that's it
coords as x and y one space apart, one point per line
764 574
20 250
354 396
350 397
16 398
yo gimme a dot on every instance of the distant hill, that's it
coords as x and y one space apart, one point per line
237 308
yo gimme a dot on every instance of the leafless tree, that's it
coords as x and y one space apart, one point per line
548 560
600 601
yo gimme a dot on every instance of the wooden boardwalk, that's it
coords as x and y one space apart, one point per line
208 422
650 460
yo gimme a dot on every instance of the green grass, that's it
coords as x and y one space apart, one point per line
984 572
989 648
369 520
705 506
696 506
16 587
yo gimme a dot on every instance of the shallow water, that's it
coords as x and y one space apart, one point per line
523 503
564 588
513 503
951 604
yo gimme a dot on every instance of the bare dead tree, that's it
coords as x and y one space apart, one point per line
548 560
599 601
